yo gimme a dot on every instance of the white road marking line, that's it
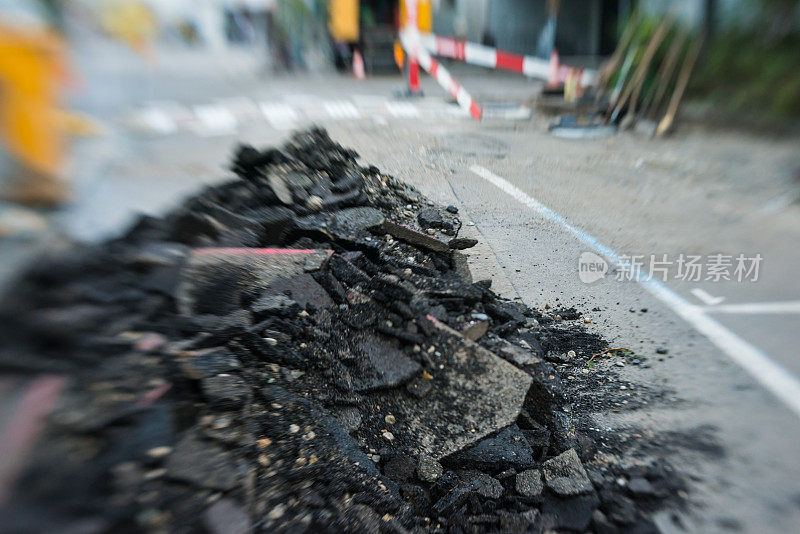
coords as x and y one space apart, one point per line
370 105
403 110
758 307
157 121
778 203
506 112
214 120
369 100
177 111
280 116
342 109
707 298
300 99
456 111
753 360
243 108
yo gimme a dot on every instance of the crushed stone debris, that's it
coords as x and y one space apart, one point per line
303 349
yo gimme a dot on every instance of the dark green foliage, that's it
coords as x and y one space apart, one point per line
745 71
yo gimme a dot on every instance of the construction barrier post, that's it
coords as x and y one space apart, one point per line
412 61
413 76
412 45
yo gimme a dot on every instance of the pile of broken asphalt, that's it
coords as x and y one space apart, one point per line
302 349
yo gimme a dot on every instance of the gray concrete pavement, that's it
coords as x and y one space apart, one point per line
698 192
753 483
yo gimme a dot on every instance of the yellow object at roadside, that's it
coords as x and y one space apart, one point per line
399 55
130 21
343 20
31 69
424 15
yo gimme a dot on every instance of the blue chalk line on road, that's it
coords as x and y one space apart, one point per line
757 307
773 376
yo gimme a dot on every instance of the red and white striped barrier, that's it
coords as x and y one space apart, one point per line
411 43
486 56
412 65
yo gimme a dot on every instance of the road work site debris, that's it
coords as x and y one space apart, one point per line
589 126
254 360
640 87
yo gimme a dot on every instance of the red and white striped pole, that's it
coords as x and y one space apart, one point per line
413 47
485 56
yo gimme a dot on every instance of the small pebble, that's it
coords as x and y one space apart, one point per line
390 419
294 429
277 512
155 473
428 469
314 203
159 452
222 421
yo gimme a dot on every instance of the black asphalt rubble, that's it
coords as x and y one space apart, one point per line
302 349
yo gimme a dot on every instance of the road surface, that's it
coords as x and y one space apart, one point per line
697 193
